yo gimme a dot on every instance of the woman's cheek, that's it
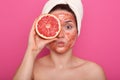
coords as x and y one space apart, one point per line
71 38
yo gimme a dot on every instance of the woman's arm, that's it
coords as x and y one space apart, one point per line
35 45
25 70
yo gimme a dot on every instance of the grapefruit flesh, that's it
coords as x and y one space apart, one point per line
48 26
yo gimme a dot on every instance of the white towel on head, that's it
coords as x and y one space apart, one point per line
75 5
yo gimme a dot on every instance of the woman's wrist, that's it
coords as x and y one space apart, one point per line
31 52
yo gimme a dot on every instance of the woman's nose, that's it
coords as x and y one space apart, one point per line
61 34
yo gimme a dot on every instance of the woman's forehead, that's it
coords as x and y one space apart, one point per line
63 15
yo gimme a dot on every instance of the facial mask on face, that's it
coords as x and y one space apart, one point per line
75 5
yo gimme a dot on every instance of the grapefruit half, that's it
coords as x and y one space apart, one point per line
48 26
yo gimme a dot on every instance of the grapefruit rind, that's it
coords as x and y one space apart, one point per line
46 37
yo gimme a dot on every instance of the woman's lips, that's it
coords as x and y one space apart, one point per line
60 44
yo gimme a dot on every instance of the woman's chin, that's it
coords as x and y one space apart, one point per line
60 50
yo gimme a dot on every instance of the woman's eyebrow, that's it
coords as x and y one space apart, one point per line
67 21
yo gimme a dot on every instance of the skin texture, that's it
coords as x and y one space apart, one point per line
68 33
60 64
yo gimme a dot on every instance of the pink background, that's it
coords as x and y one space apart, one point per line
99 40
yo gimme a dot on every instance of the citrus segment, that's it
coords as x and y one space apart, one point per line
48 26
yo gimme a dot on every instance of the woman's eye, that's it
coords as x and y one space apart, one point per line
68 27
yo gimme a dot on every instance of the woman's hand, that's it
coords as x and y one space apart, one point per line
36 43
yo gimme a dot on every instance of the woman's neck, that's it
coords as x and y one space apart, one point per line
61 60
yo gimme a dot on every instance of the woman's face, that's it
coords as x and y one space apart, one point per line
68 34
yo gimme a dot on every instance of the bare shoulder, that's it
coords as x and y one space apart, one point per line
92 70
96 71
38 65
41 61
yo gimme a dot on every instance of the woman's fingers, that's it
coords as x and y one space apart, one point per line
37 43
33 27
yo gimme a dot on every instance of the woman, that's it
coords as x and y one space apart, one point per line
60 64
